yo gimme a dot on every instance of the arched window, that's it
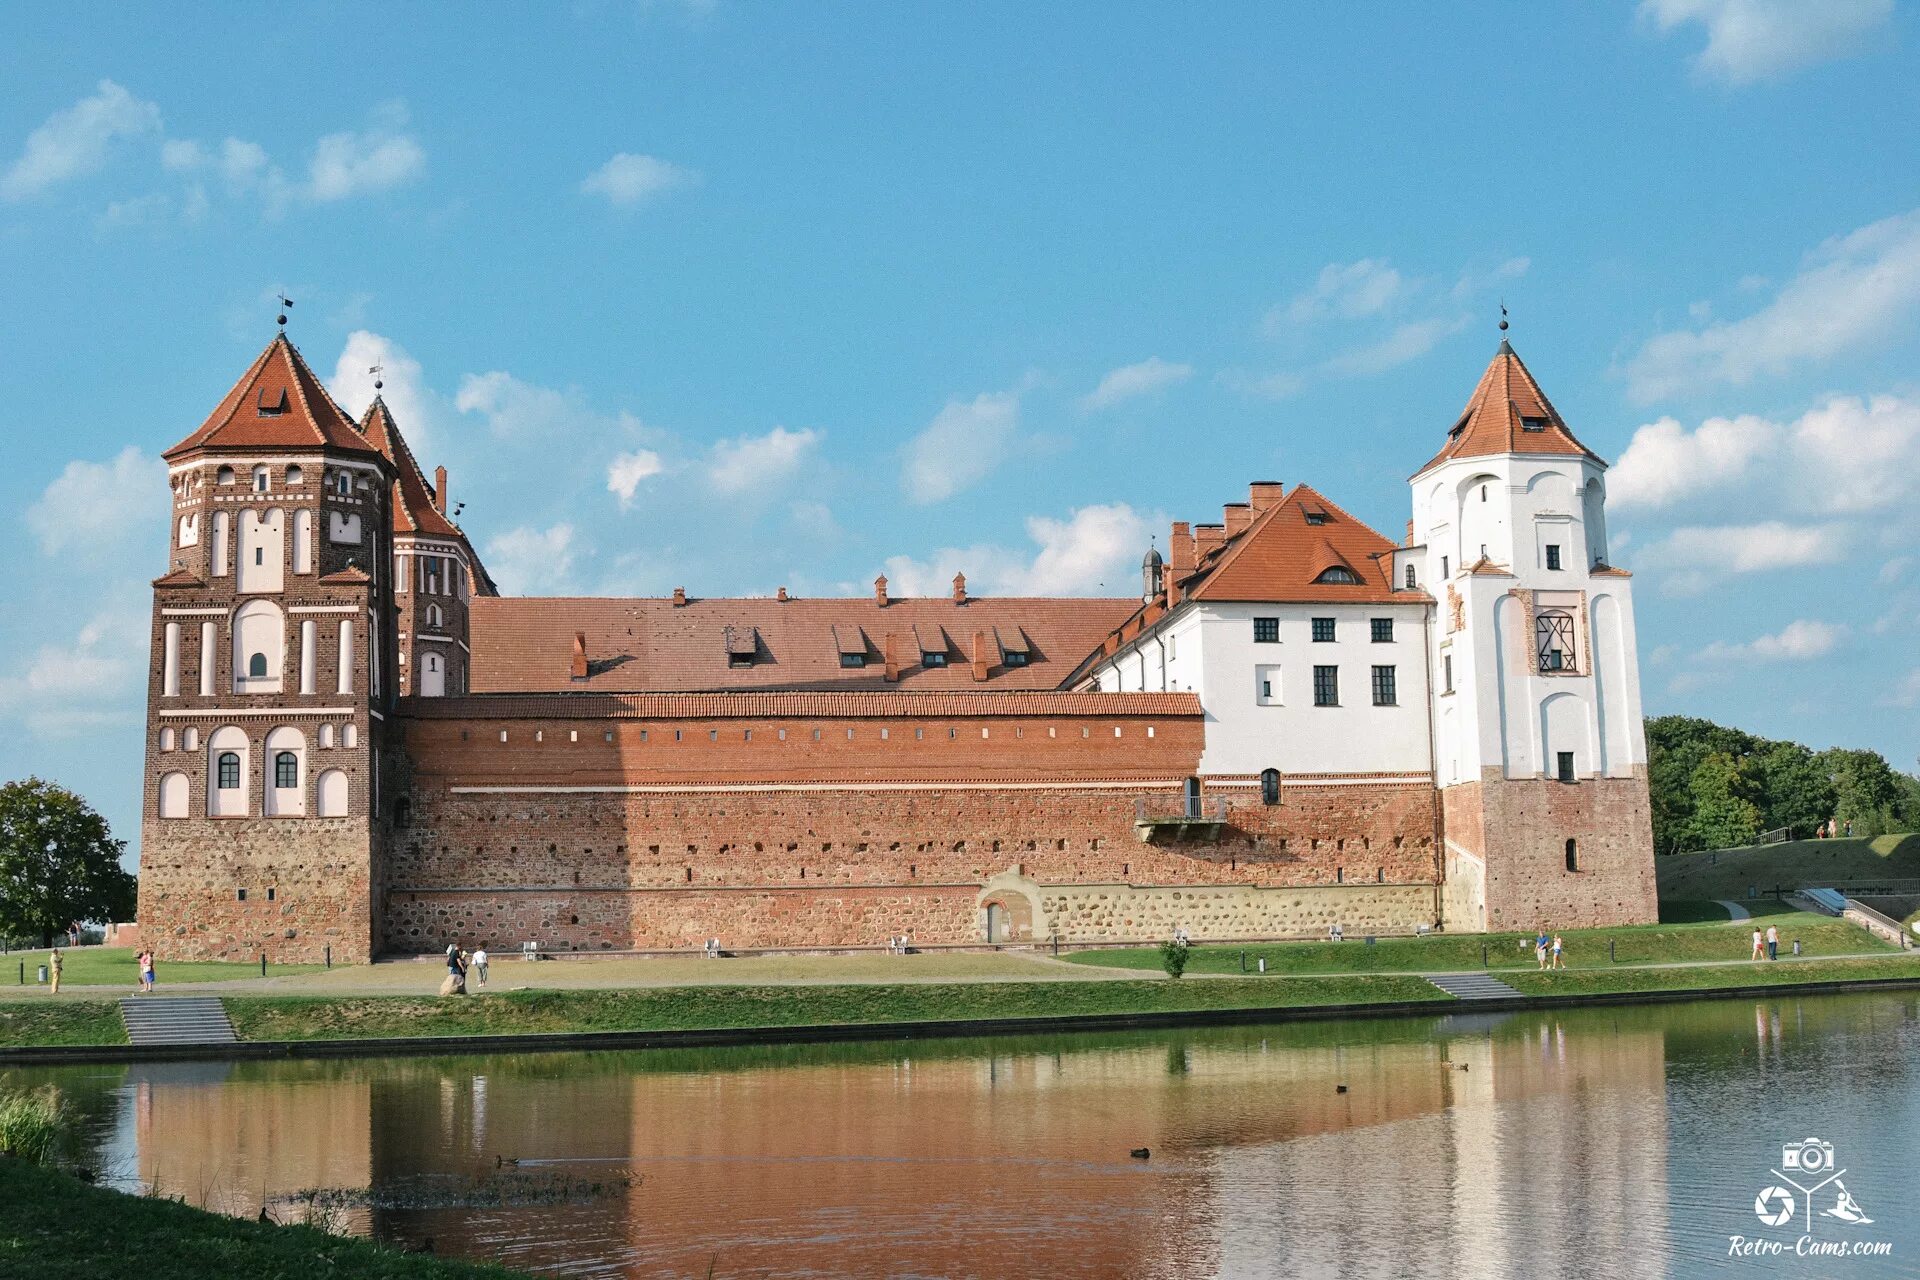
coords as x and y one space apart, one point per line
286 769
294 476
191 739
173 795
166 739
261 477
1339 575
1553 640
259 647
331 789
227 764
286 749
223 476
1411 584
434 616
1269 786
257 667
326 735
350 736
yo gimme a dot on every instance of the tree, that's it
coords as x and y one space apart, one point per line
58 862
1796 788
1676 746
1724 812
1173 957
1867 790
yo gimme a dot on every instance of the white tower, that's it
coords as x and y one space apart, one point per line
1539 750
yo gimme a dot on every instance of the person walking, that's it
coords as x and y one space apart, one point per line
1773 942
1559 953
55 962
146 971
1540 942
1759 945
480 964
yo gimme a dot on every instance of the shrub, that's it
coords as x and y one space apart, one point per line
1173 957
30 1124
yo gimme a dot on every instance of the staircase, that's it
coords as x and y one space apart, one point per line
1472 986
156 1020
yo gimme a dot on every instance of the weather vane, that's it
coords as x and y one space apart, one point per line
1503 315
376 370
286 305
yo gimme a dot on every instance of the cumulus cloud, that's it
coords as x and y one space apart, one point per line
529 560
93 510
1753 40
1131 380
1095 549
758 462
963 444
415 407
512 407
76 141
378 158
87 684
1664 462
1697 556
1853 290
627 470
628 180
1348 290
1799 641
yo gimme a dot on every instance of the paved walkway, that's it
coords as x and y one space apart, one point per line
1735 912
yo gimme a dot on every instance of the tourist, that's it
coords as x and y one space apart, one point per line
146 971
455 983
1773 943
1849 828
1759 945
480 964
54 963
1540 943
1559 953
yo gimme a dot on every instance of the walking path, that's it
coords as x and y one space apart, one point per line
1735 912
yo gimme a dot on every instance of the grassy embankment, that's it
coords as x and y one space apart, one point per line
115 967
709 1008
56 1225
1758 974
61 1022
1438 953
1797 864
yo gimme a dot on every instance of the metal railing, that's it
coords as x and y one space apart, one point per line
1180 809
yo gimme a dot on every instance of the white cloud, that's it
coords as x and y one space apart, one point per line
515 408
1130 380
1407 342
1349 290
1856 456
1853 290
627 470
65 690
1096 549
757 462
414 406
240 163
1697 556
379 158
93 510
1907 692
961 446
75 142
1664 463
1752 40
1799 641
629 180
527 559
1894 570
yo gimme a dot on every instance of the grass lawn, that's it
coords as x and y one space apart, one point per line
115 967
1586 948
1797 864
699 1008
50 1021
56 1225
1758 974
1709 912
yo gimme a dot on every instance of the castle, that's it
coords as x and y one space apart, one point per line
356 746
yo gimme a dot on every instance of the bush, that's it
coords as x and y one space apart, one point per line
1173 957
30 1124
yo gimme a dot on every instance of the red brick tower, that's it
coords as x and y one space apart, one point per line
269 686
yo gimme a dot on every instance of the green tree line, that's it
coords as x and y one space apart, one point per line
58 863
1716 788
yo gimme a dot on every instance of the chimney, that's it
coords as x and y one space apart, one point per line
1409 541
959 588
440 490
1238 516
1262 494
679 597
1208 538
781 595
579 655
880 596
1180 548
890 649
980 664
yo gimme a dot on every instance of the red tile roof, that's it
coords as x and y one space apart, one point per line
1282 554
277 404
180 578
860 704
1508 413
525 644
414 507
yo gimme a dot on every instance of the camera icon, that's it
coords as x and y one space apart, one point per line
1809 1156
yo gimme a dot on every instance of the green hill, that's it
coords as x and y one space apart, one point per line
1797 864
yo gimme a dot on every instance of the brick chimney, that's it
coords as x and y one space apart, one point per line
959 588
579 655
440 490
1180 555
880 593
1208 538
980 664
1262 494
781 595
1238 516
679 597
890 648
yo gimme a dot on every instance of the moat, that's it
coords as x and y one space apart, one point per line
1590 1143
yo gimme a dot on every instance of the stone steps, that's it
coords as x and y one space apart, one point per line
155 1020
1472 986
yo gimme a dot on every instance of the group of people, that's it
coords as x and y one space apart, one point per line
1833 829
461 964
1766 946
1550 950
899 944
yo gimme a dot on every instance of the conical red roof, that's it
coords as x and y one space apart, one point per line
277 404
414 508
1509 413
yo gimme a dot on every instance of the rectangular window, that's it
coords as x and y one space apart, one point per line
1386 691
1266 631
1322 630
1383 630
1446 667
853 659
1566 766
1014 657
1326 686
933 659
1445 570
1553 555
1266 685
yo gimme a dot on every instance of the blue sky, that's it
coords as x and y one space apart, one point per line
737 296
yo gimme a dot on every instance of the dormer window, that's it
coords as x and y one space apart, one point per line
272 403
1015 657
853 659
743 644
1533 424
1316 517
1339 575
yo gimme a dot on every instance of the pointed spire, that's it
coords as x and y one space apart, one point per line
1509 413
415 508
278 404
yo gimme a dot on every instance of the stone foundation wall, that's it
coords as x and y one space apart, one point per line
1089 913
